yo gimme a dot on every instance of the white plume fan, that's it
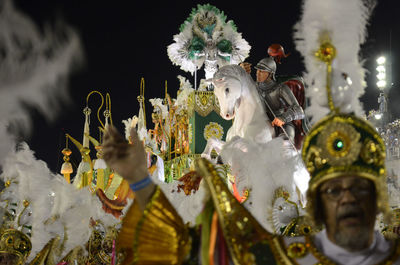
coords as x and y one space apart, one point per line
343 24
58 209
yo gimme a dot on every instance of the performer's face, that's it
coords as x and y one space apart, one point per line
262 76
349 211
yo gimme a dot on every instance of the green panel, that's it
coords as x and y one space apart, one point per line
198 124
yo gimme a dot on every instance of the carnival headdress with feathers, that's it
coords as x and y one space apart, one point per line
339 24
205 35
329 36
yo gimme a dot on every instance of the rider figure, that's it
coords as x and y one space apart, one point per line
280 103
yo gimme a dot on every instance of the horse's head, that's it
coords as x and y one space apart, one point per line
228 90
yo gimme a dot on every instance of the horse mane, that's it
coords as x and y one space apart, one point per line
237 72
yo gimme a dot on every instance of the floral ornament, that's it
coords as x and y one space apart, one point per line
340 144
213 130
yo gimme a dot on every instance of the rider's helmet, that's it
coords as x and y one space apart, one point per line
267 64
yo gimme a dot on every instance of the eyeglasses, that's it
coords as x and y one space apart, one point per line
336 193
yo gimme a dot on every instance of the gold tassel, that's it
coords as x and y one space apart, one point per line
66 168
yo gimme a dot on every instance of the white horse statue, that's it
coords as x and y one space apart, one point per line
259 163
238 98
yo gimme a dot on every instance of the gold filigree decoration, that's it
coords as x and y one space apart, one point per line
297 250
305 229
339 144
314 160
372 153
15 242
213 130
203 102
326 51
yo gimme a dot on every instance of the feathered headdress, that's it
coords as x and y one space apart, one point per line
206 36
341 144
333 30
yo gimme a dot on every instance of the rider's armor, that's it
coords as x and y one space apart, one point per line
280 103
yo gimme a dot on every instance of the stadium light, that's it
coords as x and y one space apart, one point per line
381 60
381 76
381 83
381 69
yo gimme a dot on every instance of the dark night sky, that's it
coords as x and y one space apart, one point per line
127 40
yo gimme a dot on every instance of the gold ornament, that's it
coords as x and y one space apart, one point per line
7 184
25 203
314 159
326 52
66 167
339 143
15 243
297 250
342 145
213 130
371 153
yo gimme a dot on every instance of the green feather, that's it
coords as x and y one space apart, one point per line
196 46
225 46
207 8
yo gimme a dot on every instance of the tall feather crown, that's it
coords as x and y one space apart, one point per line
341 144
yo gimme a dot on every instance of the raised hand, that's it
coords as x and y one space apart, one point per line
128 160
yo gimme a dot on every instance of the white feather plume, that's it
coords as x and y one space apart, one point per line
188 207
33 70
178 51
262 168
345 23
56 205
185 89
159 106
129 124
241 48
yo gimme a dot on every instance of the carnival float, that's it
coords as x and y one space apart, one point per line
75 217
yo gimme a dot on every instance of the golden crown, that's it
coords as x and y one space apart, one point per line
343 145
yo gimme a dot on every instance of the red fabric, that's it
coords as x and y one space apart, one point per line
223 258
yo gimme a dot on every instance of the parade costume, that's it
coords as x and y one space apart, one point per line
280 100
281 103
338 145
